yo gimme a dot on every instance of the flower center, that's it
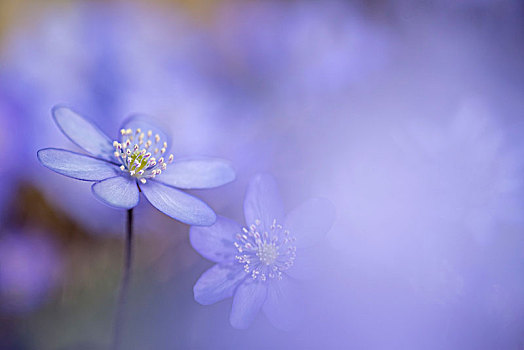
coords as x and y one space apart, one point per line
268 254
138 151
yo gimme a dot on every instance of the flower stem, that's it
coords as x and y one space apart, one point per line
124 286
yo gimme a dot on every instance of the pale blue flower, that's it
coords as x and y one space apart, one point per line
261 264
105 59
137 162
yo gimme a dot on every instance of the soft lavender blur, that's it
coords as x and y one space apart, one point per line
408 116
29 268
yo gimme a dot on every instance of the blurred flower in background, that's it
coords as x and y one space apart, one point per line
30 267
468 169
298 54
261 265
421 175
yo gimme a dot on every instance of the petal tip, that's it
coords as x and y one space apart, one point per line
217 283
56 108
57 113
231 173
197 295
200 296
209 219
112 204
82 132
238 325
39 154
75 165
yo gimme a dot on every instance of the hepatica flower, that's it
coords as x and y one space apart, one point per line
261 264
138 160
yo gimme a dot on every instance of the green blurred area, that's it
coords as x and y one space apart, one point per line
12 12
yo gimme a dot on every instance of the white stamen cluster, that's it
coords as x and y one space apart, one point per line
265 255
138 154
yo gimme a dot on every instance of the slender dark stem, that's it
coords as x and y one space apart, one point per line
124 286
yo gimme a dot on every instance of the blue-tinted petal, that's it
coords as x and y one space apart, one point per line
308 263
262 201
218 283
118 192
310 221
178 205
146 123
284 306
83 133
249 298
198 172
76 165
215 242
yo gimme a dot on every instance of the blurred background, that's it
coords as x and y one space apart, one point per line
407 115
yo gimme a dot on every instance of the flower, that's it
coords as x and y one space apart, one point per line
136 162
260 265
161 68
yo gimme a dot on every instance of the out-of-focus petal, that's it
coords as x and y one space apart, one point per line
263 202
249 298
218 283
215 242
118 192
198 172
178 205
83 133
308 263
147 123
284 307
310 221
76 165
